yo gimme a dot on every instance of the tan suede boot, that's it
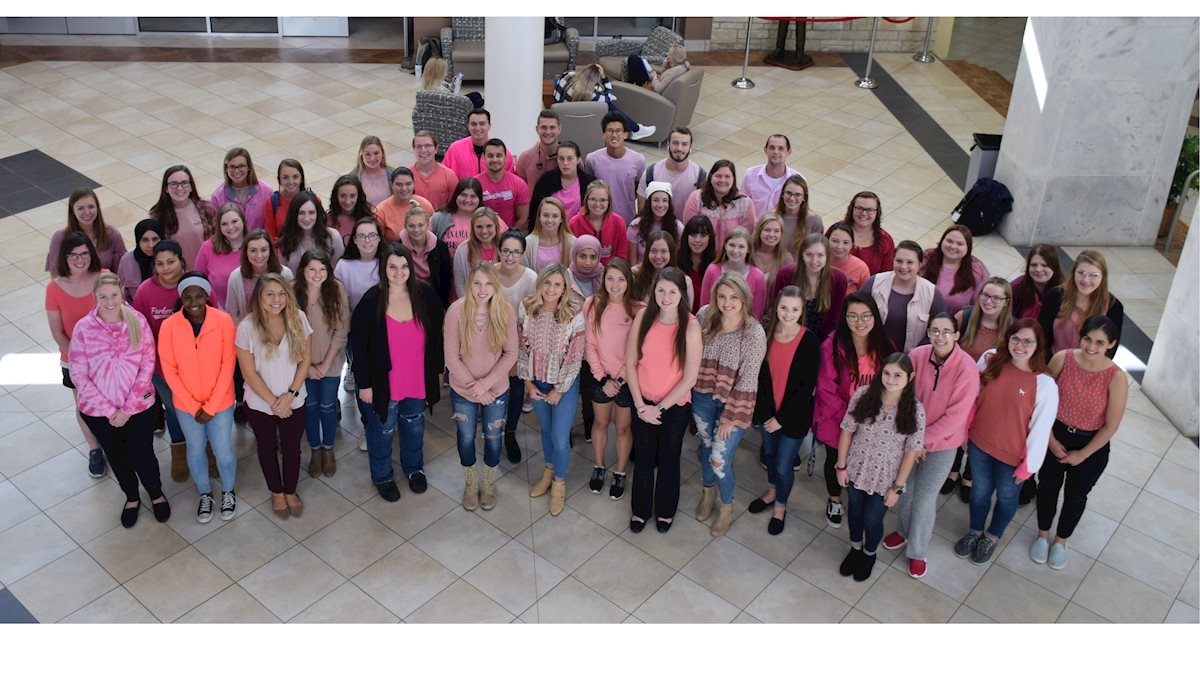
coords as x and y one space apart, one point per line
558 497
212 462
708 496
316 463
470 488
724 520
179 467
330 462
487 497
539 488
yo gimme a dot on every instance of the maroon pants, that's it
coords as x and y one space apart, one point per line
289 431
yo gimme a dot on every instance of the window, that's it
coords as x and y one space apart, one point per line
207 24
610 26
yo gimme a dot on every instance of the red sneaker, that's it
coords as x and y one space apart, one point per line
894 541
916 568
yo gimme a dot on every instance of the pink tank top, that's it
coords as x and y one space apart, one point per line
659 369
406 346
1083 395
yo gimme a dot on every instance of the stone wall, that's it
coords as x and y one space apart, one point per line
729 33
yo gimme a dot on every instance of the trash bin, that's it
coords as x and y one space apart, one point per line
983 158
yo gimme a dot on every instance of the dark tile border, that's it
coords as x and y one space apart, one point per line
11 609
32 178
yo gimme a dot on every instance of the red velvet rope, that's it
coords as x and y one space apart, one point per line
809 19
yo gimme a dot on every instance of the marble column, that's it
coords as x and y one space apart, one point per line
512 70
1098 113
1172 378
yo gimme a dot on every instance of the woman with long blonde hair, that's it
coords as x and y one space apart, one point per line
481 347
1084 294
734 257
274 350
550 240
480 246
822 286
767 249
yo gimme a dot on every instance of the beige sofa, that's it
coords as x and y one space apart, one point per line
672 108
463 49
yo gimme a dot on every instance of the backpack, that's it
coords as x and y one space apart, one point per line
984 205
699 176
427 48
555 30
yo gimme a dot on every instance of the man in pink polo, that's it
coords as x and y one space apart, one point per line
763 182
465 156
539 159
504 191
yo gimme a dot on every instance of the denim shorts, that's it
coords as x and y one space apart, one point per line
623 398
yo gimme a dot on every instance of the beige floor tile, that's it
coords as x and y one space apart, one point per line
322 506
1190 593
30 445
682 600
347 604
1165 521
56 479
818 565
945 572
1131 464
611 514
460 603
567 540
624 574
160 591
515 577
291 582
1062 582
27 546
1184 453
353 542
116 606
573 602
1006 597
789 599
412 513
967 615
63 586
152 541
1145 433
1112 497
232 605
460 540
713 569
896 597
678 546
352 479
1073 613
1147 560
244 544
14 506
1175 484
1120 598
404 579
1182 612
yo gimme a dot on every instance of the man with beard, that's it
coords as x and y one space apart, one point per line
503 191
539 159
763 182
684 175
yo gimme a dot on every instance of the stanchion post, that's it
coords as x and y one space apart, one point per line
865 82
924 56
744 82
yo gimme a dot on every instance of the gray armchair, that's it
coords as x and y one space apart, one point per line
672 108
463 49
580 122
613 54
443 113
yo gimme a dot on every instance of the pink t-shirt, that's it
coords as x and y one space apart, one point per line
376 186
70 308
569 196
457 233
406 379
505 195
190 234
621 174
437 187
548 254
155 302
218 267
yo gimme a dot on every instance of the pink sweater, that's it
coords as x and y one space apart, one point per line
481 363
107 373
217 267
606 348
948 393
755 279
740 213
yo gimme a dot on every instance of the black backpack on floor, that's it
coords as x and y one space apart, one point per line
982 208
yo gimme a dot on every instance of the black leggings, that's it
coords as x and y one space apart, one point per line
130 452
958 463
1079 481
831 481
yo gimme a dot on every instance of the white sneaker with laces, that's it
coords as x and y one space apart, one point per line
644 131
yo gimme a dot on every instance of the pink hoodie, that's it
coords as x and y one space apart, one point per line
948 394
108 374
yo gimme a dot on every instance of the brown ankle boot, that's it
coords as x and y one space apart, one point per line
539 488
179 467
470 488
316 463
558 497
330 462
724 520
708 496
212 462
487 496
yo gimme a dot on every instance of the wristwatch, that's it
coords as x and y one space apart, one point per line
294 392
897 488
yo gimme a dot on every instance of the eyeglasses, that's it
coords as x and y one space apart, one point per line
1014 340
865 210
993 298
945 332
511 253
613 132
176 185
865 317
424 146
366 236
793 195
79 256
236 167
1091 276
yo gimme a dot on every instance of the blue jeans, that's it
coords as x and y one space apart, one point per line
707 411
407 417
865 516
989 474
467 415
217 432
781 452
320 423
630 125
168 403
556 421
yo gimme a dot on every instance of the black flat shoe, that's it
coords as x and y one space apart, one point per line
775 526
948 486
964 493
388 491
636 526
162 510
758 506
850 562
417 482
129 515
663 525
511 448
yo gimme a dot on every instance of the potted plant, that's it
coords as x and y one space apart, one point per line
1189 161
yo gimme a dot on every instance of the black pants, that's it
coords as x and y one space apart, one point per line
831 482
587 382
637 70
958 463
657 447
1079 481
130 452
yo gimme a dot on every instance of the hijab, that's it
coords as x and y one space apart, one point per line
145 262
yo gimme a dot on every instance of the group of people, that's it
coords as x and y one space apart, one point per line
657 297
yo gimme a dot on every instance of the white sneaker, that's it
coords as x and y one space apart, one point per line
644 131
348 381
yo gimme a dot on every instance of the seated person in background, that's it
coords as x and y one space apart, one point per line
465 156
504 191
539 159
434 79
591 84
642 74
432 181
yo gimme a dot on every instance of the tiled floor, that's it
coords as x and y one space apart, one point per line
355 558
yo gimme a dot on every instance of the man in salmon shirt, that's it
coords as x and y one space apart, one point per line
433 181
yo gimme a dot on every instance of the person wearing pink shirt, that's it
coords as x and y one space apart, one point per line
372 170
390 212
137 265
465 156
841 242
540 158
453 223
734 258
720 200
243 187
434 181
290 176
84 215
951 267
822 287
183 215
763 182
347 206
619 166
479 247
503 191
598 219
872 244
222 254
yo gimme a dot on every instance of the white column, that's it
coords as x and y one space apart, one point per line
1171 378
512 78
1099 108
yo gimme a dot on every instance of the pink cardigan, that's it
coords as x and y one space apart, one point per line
108 374
947 403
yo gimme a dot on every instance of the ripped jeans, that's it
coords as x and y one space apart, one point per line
716 455
407 417
467 414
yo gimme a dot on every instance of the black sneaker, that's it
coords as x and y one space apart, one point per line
865 564
204 511
850 562
796 464
511 447
388 491
966 546
762 458
587 432
617 489
983 550
596 484
833 513
228 505
417 483
96 465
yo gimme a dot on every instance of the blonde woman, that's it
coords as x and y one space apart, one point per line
1084 294
480 246
372 170
724 395
434 78
822 286
591 84
767 249
552 349
274 349
480 339
550 240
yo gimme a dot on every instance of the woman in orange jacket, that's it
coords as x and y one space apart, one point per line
196 349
